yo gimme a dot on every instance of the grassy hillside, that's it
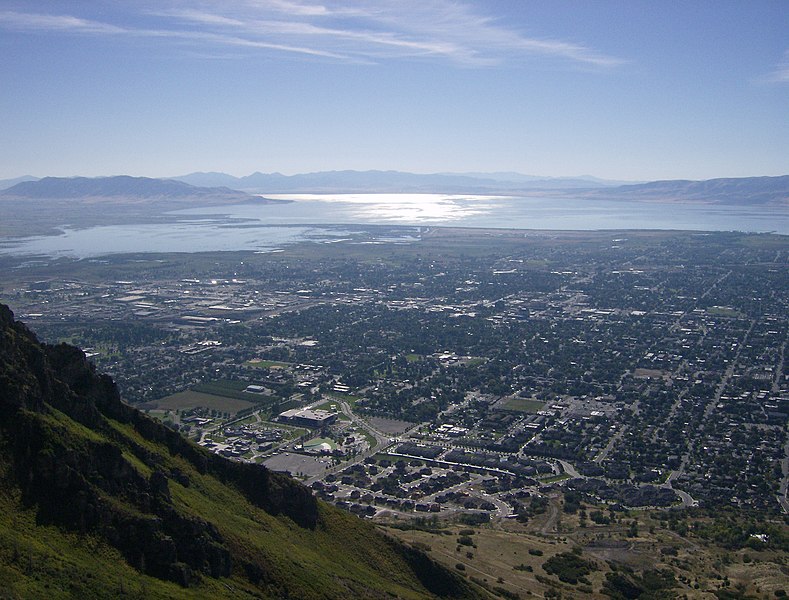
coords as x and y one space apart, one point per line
97 500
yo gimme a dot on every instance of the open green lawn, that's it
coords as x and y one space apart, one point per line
266 364
328 406
233 389
223 386
724 311
352 400
555 478
192 399
526 405
318 441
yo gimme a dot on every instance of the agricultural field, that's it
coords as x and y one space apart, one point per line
192 399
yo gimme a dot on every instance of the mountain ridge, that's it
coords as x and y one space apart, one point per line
203 188
7 183
387 180
115 186
727 190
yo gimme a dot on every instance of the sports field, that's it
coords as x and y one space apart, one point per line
191 399
526 405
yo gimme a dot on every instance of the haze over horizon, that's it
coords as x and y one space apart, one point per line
626 91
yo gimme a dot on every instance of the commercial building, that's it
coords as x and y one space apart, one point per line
308 417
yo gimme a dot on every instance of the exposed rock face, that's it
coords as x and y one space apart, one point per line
24 378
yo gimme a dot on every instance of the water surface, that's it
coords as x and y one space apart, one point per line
265 227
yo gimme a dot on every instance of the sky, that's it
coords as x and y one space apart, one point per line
626 90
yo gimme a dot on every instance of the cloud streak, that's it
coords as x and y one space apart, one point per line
781 72
362 32
65 23
55 23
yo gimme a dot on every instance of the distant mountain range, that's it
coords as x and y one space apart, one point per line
220 187
744 191
121 186
390 181
368 181
43 206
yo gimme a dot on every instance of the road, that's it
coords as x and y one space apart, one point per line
609 446
687 499
553 517
502 508
570 469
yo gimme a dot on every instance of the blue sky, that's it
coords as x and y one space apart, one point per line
633 90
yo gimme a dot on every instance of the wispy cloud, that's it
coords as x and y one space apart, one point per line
781 72
39 22
66 23
360 31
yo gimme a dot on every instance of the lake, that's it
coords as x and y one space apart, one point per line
267 227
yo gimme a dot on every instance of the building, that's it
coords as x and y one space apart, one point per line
308 417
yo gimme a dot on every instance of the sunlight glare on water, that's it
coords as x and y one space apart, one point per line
404 208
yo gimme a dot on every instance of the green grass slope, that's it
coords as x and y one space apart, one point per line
97 500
